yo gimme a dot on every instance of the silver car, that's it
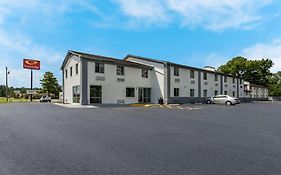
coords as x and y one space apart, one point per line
223 99
45 98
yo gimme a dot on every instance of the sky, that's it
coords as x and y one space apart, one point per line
192 32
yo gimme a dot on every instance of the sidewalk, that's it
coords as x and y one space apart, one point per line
75 106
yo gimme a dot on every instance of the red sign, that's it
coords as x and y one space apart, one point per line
31 64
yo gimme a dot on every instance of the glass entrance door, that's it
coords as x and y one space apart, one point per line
144 95
95 94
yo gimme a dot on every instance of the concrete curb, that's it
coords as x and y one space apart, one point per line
143 105
75 106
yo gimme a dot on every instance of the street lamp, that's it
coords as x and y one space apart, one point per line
7 73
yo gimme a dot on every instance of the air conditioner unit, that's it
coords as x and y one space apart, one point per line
120 79
99 78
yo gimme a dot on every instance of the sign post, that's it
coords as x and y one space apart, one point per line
32 65
31 83
7 73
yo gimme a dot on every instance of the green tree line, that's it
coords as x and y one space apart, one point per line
49 85
255 71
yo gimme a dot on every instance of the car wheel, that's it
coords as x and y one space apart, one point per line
208 102
228 103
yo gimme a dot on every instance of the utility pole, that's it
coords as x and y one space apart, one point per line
31 84
7 72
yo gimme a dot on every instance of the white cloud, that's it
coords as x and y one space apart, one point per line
215 60
211 14
144 12
46 12
271 50
15 47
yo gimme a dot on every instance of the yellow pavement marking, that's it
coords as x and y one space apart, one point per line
168 106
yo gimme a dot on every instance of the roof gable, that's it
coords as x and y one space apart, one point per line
104 59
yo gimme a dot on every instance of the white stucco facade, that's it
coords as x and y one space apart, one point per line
157 76
70 81
95 79
114 91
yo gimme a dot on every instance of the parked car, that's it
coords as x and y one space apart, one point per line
223 99
45 98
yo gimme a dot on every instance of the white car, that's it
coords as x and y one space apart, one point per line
45 98
223 99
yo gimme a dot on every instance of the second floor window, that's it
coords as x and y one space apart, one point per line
225 79
76 68
216 77
99 68
144 73
176 71
205 76
71 71
120 70
233 80
191 73
66 73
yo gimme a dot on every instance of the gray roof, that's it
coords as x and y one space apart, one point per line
124 62
178 65
146 59
108 60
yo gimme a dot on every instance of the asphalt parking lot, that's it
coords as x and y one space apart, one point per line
45 139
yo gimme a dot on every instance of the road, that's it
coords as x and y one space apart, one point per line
45 139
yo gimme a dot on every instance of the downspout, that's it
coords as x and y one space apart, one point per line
168 82
238 87
63 89
199 84
84 82
221 84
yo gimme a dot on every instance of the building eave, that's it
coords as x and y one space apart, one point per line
104 59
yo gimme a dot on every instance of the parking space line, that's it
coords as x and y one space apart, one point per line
169 106
179 107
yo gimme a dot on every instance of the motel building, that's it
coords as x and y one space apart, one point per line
93 79
255 91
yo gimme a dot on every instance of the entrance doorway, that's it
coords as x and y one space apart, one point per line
95 94
144 95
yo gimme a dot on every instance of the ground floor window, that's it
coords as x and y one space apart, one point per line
176 92
130 92
216 92
233 93
205 93
192 92
225 92
76 94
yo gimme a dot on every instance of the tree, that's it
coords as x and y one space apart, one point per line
254 71
236 66
50 84
275 84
